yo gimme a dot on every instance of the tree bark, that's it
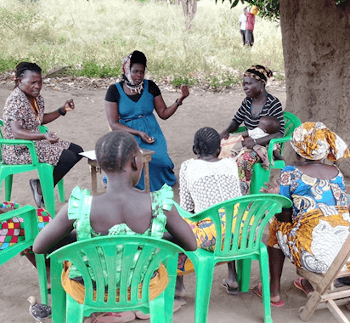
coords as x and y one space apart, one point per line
189 8
316 47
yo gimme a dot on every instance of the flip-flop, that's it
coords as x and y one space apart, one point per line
298 284
142 316
257 291
229 290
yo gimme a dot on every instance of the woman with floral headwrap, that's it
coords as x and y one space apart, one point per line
129 107
257 104
313 231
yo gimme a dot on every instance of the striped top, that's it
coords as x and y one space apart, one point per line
272 107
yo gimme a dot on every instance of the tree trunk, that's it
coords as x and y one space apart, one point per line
189 8
316 47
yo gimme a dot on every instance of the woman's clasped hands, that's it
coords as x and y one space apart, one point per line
145 137
51 137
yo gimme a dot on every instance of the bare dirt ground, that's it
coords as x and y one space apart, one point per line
84 126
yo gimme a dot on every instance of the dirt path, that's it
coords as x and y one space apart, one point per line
88 123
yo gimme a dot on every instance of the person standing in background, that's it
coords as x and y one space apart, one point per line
242 24
249 36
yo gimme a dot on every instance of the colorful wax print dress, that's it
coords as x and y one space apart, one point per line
320 220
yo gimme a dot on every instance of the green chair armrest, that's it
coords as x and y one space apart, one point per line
194 217
240 129
43 129
28 143
273 142
185 214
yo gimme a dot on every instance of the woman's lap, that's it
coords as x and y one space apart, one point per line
311 243
245 164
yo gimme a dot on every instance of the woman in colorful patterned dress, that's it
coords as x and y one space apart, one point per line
130 106
312 232
257 104
23 114
206 181
121 210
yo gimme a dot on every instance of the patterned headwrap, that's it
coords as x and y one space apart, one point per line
127 73
258 72
314 141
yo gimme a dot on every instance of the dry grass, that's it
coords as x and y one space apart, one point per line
93 36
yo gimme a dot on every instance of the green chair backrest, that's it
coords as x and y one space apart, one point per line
137 270
246 218
291 122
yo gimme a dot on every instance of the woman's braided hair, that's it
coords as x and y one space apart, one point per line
206 141
25 66
114 150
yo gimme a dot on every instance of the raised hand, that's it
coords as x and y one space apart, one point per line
69 105
184 92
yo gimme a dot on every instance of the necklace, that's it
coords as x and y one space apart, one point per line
35 109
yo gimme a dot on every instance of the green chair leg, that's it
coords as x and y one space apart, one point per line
58 297
74 313
156 310
265 284
60 188
42 275
8 187
260 176
47 188
244 268
205 272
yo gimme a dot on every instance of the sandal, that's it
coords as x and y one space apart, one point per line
257 291
38 198
229 290
142 316
298 284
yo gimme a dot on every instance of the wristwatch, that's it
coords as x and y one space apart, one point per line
178 103
61 112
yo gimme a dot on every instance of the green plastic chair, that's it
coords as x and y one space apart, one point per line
31 230
161 308
253 213
45 172
262 175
